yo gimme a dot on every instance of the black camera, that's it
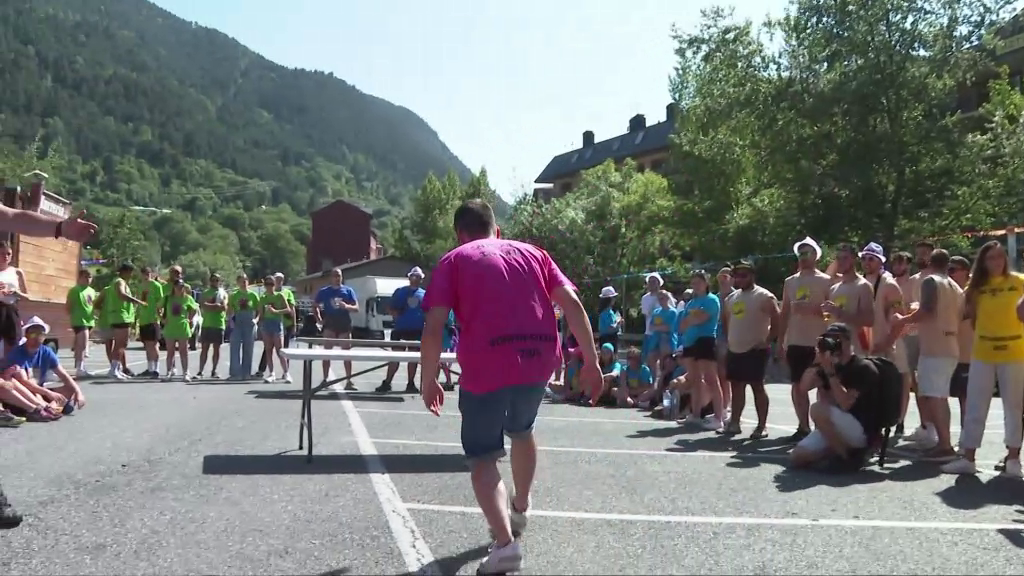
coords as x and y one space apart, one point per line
829 344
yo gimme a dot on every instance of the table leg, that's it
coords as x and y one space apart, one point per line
307 387
306 393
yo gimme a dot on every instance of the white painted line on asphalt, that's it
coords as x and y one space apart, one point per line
800 522
410 542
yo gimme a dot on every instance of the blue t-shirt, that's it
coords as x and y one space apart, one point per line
38 363
708 328
637 377
408 303
607 322
607 369
330 299
665 317
447 342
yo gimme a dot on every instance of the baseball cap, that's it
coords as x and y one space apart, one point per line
839 329
279 275
743 265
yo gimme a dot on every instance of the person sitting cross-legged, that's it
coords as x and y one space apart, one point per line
845 414
635 381
21 405
38 362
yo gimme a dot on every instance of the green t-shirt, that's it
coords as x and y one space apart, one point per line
119 311
177 325
109 312
153 296
81 299
213 318
290 297
244 300
276 300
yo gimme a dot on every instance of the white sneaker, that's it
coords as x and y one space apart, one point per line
693 420
187 377
120 376
287 378
1013 469
923 436
169 376
269 378
83 373
502 560
962 466
711 423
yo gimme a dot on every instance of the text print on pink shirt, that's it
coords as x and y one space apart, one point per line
500 291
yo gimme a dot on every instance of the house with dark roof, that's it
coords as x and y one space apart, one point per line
341 233
1007 52
647 145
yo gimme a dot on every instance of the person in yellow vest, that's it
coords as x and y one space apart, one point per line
995 301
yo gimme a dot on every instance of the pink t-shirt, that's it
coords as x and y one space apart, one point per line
501 293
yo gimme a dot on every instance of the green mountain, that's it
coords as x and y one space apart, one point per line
130 105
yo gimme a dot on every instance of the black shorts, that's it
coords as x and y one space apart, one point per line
958 383
744 367
703 348
408 335
340 324
612 339
121 326
149 332
211 336
80 329
10 324
799 359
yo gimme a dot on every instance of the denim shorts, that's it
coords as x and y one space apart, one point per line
487 418
272 327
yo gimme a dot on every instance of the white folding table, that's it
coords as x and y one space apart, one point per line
310 355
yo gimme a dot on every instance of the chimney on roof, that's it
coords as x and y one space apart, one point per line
588 139
670 112
637 123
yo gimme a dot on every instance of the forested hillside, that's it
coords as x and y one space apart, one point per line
133 106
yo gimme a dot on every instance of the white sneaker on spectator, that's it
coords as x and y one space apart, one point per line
711 423
502 560
1013 469
83 373
269 378
959 466
924 436
170 376
187 377
287 377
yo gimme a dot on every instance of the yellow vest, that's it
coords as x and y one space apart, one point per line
998 333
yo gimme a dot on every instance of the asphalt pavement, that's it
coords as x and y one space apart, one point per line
205 478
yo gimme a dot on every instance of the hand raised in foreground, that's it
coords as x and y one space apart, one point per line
76 229
592 380
433 395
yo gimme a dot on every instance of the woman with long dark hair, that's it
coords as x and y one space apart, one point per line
609 321
699 330
993 301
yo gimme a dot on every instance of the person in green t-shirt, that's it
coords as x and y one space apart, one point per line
79 306
149 320
104 314
288 319
214 304
179 309
120 307
274 308
243 307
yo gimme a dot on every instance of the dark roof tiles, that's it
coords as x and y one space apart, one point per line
631 144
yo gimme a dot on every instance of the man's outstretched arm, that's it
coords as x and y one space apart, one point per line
43 225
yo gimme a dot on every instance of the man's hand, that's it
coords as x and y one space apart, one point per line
830 308
825 360
780 353
79 399
55 397
591 379
76 229
433 395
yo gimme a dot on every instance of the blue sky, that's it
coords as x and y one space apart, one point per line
507 85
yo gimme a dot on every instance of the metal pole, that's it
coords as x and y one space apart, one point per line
1011 246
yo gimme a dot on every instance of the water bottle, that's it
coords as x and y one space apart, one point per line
675 404
666 405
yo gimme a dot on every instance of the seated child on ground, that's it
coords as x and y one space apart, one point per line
671 370
21 401
635 381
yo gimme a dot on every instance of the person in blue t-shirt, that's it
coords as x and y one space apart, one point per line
699 328
39 362
448 341
334 305
663 326
610 370
408 316
635 381
609 322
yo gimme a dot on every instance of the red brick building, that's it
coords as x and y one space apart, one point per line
341 233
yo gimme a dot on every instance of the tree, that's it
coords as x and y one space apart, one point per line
426 231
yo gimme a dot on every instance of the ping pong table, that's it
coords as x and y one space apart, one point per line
307 356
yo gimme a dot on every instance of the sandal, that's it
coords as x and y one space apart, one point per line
758 433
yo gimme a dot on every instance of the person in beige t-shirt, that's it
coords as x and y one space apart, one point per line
801 322
751 319
850 299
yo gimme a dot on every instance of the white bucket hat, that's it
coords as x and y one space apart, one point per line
416 271
36 321
608 292
873 249
808 241
656 276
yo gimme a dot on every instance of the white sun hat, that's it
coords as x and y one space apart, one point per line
808 241
608 292
656 276
36 321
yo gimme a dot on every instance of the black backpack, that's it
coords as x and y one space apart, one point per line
889 399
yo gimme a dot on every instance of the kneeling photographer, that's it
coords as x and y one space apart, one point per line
845 413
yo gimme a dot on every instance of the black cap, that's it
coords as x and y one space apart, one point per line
839 329
743 265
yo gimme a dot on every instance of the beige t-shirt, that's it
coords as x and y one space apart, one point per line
810 291
853 295
749 318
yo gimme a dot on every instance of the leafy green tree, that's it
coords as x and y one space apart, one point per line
426 232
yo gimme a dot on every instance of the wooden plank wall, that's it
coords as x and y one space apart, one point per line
50 266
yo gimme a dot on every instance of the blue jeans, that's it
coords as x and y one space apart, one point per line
242 337
488 417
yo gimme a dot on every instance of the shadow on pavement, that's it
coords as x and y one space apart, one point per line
797 480
337 572
452 564
973 493
295 464
355 397
747 452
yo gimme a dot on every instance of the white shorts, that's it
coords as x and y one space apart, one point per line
847 426
934 375
899 357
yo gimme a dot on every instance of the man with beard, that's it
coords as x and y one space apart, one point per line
850 299
752 322
888 299
900 267
926 435
801 323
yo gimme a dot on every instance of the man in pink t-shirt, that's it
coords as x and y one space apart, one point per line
501 292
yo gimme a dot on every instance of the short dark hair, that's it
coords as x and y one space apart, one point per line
474 218
960 262
902 256
126 267
846 247
925 244
84 272
939 259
